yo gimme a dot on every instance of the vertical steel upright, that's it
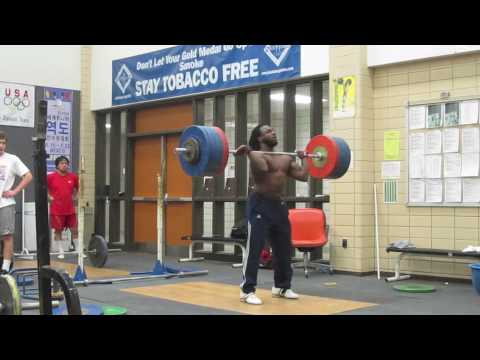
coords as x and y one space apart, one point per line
41 209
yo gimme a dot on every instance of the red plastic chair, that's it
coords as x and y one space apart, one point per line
309 232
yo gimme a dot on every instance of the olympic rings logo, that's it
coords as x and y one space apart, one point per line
20 104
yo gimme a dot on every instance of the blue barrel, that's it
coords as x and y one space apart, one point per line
476 277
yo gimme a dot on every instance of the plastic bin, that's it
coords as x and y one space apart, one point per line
476 277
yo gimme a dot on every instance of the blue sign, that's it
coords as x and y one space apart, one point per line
191 69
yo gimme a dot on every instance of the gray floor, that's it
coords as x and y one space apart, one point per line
455 298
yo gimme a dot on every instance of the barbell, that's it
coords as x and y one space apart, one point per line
97 251
180 274
204 151
10 303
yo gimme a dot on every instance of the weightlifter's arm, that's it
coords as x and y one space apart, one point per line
257 158
298 172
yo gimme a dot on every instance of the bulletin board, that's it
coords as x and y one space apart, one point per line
444 153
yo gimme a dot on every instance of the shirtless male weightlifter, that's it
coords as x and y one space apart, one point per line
267 214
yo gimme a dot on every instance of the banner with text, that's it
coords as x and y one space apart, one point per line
190 69
17 105
59 125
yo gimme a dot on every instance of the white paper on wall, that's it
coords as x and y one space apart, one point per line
471 190
433 191
470 164
433 166
453 190
416 117
416 169
452 165
390 169
416 191
470 140
469 112
451 137
417 143
433 142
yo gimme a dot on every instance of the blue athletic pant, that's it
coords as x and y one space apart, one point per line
267 219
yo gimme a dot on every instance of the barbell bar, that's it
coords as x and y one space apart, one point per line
67 253
204 151
318 156
36 305
71 252
180 274
29 306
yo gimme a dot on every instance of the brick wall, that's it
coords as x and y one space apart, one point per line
351 208
87 131
436 227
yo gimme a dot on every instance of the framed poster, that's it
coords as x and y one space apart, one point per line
345 96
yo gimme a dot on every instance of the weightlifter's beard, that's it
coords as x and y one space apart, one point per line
270 142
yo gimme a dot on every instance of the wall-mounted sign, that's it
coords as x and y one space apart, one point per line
344 89
391 145
17 105
59 125
191 69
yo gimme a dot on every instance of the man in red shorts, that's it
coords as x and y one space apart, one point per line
62 190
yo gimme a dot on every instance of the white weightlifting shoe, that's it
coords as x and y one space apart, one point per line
61 256
284 293
250 298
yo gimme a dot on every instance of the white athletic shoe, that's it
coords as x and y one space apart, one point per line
284 293
61 256
250 298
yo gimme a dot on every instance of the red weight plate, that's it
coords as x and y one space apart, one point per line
324 168
226 153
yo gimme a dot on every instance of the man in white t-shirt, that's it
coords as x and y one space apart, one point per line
10 167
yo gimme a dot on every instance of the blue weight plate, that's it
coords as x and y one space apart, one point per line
343 162
87 309
216 151
204 142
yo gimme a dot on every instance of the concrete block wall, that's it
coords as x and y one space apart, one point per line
87 133
351 207
435 227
